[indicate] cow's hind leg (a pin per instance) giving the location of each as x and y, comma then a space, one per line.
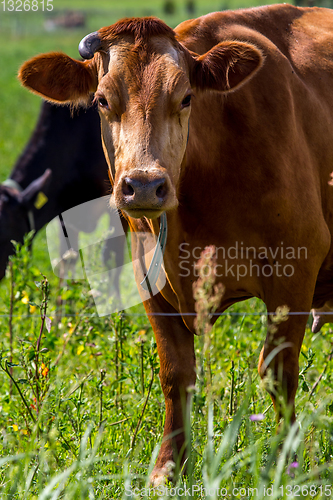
279, 358
175, 345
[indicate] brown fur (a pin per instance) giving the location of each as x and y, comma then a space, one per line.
218, 69
65, 79
141, 28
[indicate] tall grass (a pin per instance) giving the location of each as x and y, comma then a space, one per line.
82, 409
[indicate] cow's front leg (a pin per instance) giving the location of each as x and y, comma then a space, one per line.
175, 345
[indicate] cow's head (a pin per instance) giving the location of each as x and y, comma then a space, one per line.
143, 80
15, 221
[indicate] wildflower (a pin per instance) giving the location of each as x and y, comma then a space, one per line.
207, 295
281, 314
79, 350
15, 428
25, 298
32, 309
142, 337
43, 370
293, 465
24, 432
257, 417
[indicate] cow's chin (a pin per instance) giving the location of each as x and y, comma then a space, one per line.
137, 213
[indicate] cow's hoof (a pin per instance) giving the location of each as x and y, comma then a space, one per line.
161, 475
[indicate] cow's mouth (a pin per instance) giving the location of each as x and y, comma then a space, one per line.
138, 213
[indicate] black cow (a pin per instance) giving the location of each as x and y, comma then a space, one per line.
64, 163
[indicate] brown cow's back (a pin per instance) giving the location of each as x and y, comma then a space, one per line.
274, 135
295, 31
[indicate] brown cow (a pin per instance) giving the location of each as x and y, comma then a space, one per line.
225, 124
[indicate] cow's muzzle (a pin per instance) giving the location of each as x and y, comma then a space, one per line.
143, 195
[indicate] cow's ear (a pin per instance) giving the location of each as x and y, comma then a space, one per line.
59, 78
226, 66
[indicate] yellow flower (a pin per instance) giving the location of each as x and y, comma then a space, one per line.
79, 350
142, 336
15, 428
25, 298
24, 431
43, 370
32, 309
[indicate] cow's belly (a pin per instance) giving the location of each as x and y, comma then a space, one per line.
248, 262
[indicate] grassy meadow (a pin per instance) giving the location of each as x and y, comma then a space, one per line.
81, 408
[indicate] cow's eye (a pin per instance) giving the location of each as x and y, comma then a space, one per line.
102, 102
186, 101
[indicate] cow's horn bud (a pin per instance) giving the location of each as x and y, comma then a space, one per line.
89, 45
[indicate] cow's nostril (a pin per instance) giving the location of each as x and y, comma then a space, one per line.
127, 187
161, 191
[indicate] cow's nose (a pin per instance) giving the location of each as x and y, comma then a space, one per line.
145, 192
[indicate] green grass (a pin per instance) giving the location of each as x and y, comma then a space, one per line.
76, 439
